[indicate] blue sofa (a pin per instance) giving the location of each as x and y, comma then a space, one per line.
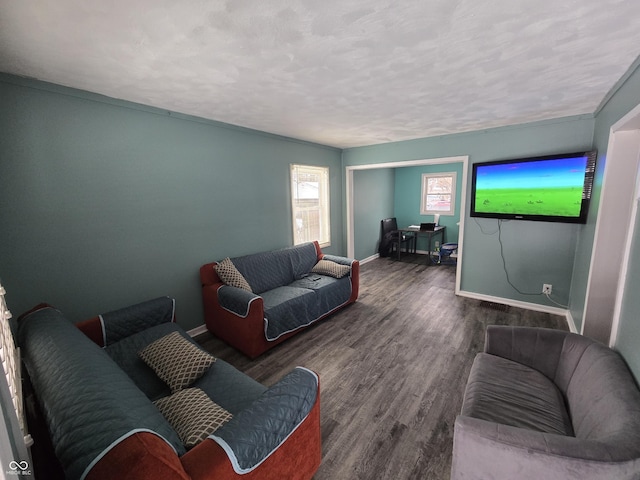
97, 401
285, 295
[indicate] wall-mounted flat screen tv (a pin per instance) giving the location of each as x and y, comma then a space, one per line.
553, 188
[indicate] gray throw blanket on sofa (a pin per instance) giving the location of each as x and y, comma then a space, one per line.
293, 296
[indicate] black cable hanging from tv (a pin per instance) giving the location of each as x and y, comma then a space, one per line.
504, 263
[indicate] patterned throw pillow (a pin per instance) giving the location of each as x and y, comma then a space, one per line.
333, 269
176, 360
230, 275
192, 414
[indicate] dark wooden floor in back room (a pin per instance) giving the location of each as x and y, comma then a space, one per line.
392, 368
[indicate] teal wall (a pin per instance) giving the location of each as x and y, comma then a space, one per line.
104, 203
623, 101
373, 192
408, 197
535, 252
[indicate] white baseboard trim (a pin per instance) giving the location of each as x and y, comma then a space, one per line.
536, 307
369, 259
194, 332
571, 323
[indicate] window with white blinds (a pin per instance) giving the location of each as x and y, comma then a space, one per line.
310, 204
438, 193
10, 357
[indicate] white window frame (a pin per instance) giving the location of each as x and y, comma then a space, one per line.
423, 197
302, 233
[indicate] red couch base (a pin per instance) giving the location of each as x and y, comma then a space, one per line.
297, 459
145, 456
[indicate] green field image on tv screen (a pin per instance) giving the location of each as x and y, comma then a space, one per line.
557, 201
542, 187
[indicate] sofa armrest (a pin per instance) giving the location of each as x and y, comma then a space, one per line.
208, 274
142, 456
538, 348
354, 274
339, 259
483, 449
113, 326
236, 300
251, 436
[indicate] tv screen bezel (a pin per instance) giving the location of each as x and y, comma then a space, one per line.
584, 207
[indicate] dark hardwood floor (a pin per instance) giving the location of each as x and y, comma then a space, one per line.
392, 368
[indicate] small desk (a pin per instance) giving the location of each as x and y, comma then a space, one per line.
439, 230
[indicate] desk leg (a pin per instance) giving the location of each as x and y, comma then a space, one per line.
399, 244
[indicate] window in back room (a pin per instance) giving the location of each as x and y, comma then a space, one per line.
438, 193
310, 204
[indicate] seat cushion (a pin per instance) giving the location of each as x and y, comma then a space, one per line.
330, 292
509, 393
288, 308
229, 387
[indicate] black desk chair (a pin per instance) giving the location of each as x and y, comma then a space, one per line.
391, 242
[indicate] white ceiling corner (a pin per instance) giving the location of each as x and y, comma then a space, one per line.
342, 73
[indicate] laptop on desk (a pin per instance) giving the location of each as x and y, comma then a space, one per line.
427, 227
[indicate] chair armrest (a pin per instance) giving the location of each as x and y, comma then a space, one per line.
538, 348
236, 300
483, 449
111, 327
251, 436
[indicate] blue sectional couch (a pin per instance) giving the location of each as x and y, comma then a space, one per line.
285, 294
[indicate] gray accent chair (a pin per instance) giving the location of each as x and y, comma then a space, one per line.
547, 404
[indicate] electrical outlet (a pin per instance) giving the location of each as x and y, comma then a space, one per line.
546, 288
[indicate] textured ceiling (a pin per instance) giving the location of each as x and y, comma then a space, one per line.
336, 72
